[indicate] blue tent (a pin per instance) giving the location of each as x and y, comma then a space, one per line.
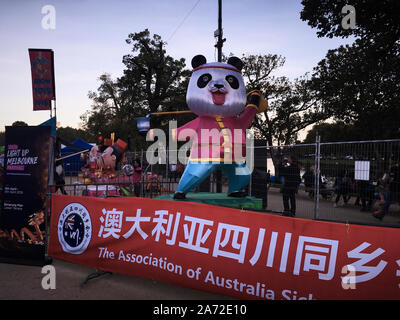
52, 124
74, 164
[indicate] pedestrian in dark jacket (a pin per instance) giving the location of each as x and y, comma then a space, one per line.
290, 172
367, 191
342, 187
393, 194
309, 180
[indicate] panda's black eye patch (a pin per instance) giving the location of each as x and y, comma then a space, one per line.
233, 81
203, 80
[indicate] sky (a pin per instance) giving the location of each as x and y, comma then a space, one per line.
89, 40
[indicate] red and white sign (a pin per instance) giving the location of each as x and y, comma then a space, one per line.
237, 253
43, 85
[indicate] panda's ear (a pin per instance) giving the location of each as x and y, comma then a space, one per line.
236, 62
198, 60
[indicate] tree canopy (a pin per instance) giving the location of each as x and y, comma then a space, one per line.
357, 85
70, 134
360, 83
292, 105
375, 19
151, 81
333, 132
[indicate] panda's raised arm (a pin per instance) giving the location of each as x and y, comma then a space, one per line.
256, 104
247, 116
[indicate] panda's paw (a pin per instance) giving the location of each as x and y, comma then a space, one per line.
257, 100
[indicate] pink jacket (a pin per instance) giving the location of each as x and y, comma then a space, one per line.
137, 174
218, 139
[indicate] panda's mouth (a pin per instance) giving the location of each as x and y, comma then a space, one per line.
218, 97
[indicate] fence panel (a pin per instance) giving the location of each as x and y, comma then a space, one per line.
353, 172
341, 181
298, 189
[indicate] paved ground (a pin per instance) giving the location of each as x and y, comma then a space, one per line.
24, 282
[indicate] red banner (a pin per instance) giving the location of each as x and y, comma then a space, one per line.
247, 255
43, 85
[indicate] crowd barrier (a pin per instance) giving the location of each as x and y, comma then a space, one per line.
364, 162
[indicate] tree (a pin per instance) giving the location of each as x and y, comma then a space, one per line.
70, 134
361, 91
19, 124
375, 19
292, 105
333, 132
152, 81
360, 83
106, 114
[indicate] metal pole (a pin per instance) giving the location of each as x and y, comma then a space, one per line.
142, 180
219, 34
220, 41
317, 175
251, 181
219, 30
49, 191
55, 110
166, 164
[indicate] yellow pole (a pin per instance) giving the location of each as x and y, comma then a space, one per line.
171, 112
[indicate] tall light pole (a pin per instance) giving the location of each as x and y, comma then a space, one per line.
220, 41
218, 33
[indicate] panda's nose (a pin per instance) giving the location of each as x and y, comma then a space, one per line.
219, 86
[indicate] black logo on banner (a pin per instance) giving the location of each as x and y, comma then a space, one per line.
74, 228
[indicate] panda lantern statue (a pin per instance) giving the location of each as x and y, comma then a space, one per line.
217, 94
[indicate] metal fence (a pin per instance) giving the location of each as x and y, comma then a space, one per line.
339, 181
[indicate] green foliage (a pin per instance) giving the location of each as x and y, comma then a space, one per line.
70, 134
375, 19
292, 104
152, 81
360, 83
333, 132
361, 87
19, 124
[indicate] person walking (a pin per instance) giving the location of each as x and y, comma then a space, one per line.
309, 180
342, 187
59, 177
268, 178
290, 172
367, 191
59, 173
393, 193
137, 177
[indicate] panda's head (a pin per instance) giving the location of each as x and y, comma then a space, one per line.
216, 89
